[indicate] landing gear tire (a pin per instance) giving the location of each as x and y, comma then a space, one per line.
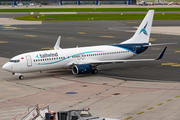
95, 71
21, 77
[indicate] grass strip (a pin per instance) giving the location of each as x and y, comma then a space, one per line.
90, 10
86, 17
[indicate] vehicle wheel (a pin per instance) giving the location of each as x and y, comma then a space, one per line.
21, 77
95, 71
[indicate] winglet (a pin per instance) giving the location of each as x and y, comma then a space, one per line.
56, 47
162, 54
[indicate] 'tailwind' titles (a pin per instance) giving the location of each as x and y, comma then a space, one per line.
48, 55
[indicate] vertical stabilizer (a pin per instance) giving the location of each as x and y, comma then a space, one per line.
142, 34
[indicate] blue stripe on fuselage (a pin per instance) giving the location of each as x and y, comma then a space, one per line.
68, 57
134, 48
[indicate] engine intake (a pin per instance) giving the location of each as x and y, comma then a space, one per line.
82, 69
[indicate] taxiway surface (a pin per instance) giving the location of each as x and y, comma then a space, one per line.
145, 90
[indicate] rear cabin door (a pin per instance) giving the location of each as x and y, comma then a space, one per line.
29, 61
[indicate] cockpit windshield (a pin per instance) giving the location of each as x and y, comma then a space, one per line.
15, 61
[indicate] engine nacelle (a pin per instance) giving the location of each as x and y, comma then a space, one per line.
82, 69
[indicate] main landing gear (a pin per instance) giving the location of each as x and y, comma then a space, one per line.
95, 71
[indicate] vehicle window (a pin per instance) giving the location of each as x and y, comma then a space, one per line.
84, 114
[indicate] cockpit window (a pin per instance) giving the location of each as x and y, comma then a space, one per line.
15, 61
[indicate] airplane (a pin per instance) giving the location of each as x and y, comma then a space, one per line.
85, 60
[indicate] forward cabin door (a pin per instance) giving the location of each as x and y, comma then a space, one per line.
29, 61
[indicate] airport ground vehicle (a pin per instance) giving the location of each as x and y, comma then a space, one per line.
43, 113
75, 114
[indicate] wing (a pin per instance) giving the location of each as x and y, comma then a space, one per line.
97, 62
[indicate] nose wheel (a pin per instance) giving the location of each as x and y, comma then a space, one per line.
21, 77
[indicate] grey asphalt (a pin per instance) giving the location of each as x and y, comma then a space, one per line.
26, 38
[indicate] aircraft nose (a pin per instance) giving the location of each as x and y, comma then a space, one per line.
6, 67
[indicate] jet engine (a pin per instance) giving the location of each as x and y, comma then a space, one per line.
82, 69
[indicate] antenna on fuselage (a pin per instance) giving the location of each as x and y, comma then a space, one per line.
56, 47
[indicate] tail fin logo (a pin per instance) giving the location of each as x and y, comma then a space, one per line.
144, 30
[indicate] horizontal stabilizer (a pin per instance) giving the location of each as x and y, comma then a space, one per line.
152, 45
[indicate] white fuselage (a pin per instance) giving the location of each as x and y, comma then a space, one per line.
63, 58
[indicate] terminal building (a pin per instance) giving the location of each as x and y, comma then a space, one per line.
65, 2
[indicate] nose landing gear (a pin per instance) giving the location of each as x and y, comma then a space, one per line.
21, 77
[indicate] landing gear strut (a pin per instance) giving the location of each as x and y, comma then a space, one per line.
95, 71
21, 77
